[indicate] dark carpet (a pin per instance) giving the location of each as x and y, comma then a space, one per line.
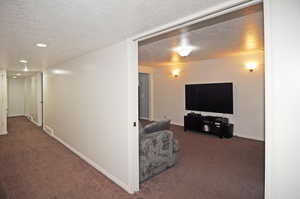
2, 192
35, 166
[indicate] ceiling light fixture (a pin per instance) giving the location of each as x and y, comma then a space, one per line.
14, 77
184, 51
41, 45
23, 61
60, 72
18, 74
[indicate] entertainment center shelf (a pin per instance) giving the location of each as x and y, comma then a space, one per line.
218, 126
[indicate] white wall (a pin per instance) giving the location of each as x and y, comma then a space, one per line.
86, 104
15, 95
248, 117
282, 30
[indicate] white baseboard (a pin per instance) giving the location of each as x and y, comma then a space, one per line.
4, 133
172, 122
177, 124
29, 117
48, 130
35, 122
249, 137
116, 180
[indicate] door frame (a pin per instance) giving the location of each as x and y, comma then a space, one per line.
221, 9
3, 102
39, 98
42, 99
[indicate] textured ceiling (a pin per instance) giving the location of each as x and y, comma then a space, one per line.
237, 33
74, 27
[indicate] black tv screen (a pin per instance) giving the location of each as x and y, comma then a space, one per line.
217, 97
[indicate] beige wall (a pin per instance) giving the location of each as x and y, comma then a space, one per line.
248, 117
86, 104
15, 97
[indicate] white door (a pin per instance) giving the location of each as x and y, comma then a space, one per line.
3, 103
39, 95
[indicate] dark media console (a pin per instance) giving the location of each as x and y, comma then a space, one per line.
218, 126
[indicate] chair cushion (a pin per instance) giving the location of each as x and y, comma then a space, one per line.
157, 126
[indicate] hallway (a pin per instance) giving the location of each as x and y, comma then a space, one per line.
35, 166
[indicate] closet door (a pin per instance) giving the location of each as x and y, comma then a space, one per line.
3, 103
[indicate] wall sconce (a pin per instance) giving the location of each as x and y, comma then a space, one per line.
251, 66
175, 73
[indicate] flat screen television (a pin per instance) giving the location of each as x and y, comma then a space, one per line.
216, 97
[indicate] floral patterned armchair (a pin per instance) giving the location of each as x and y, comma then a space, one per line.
158, 149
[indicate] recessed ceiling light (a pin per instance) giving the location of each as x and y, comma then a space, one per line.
23, 61
41, 45
60, 72
25, 68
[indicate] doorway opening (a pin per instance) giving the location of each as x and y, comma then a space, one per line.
228, 48
25, 95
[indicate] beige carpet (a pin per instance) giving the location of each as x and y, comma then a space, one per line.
35, 166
